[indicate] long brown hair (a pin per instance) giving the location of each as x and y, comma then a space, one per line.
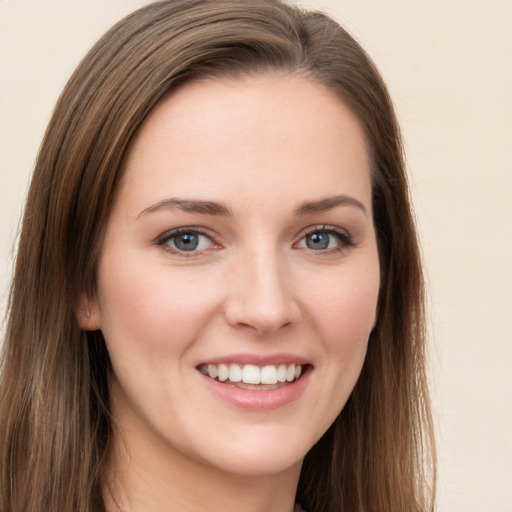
54, 398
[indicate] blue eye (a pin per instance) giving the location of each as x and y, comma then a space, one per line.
318, 241
325, 239
186, 241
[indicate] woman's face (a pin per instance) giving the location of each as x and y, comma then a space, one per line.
240, 246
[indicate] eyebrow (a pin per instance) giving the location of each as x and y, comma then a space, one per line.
190, 206
328, 203
220, 209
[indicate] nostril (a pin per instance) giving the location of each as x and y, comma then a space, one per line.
263, 328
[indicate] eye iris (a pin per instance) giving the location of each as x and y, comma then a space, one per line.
317, 241
187, 242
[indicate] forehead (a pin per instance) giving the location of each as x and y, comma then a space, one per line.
268, 133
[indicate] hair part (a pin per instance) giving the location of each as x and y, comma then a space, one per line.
54, 401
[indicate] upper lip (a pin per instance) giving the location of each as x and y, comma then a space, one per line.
257, 359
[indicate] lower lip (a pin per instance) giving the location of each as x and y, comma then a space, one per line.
256, 400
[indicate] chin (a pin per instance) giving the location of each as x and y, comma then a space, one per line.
261, 462
262, 451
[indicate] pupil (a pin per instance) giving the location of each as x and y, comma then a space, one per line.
188, 242
318, 241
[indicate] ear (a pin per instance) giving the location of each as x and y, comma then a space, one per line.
88, 313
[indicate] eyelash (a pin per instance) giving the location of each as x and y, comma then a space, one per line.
345, 240
164, 240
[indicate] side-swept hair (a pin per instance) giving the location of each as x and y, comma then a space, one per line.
378, 455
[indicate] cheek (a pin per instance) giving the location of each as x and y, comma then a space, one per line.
149, 309
341, 309
344, 307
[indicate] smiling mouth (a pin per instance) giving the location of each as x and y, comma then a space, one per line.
253, 377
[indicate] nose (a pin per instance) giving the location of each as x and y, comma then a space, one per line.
260, 294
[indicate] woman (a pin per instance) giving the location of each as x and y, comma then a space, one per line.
217, 301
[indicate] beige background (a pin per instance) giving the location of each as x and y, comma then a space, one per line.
448, 66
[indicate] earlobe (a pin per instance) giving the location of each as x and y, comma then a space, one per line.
87, 313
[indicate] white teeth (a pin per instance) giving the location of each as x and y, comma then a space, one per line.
223, 372
212, 371
269, 375
281, 373
252, 374
235, 373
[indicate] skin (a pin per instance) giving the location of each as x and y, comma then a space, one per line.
261, 147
